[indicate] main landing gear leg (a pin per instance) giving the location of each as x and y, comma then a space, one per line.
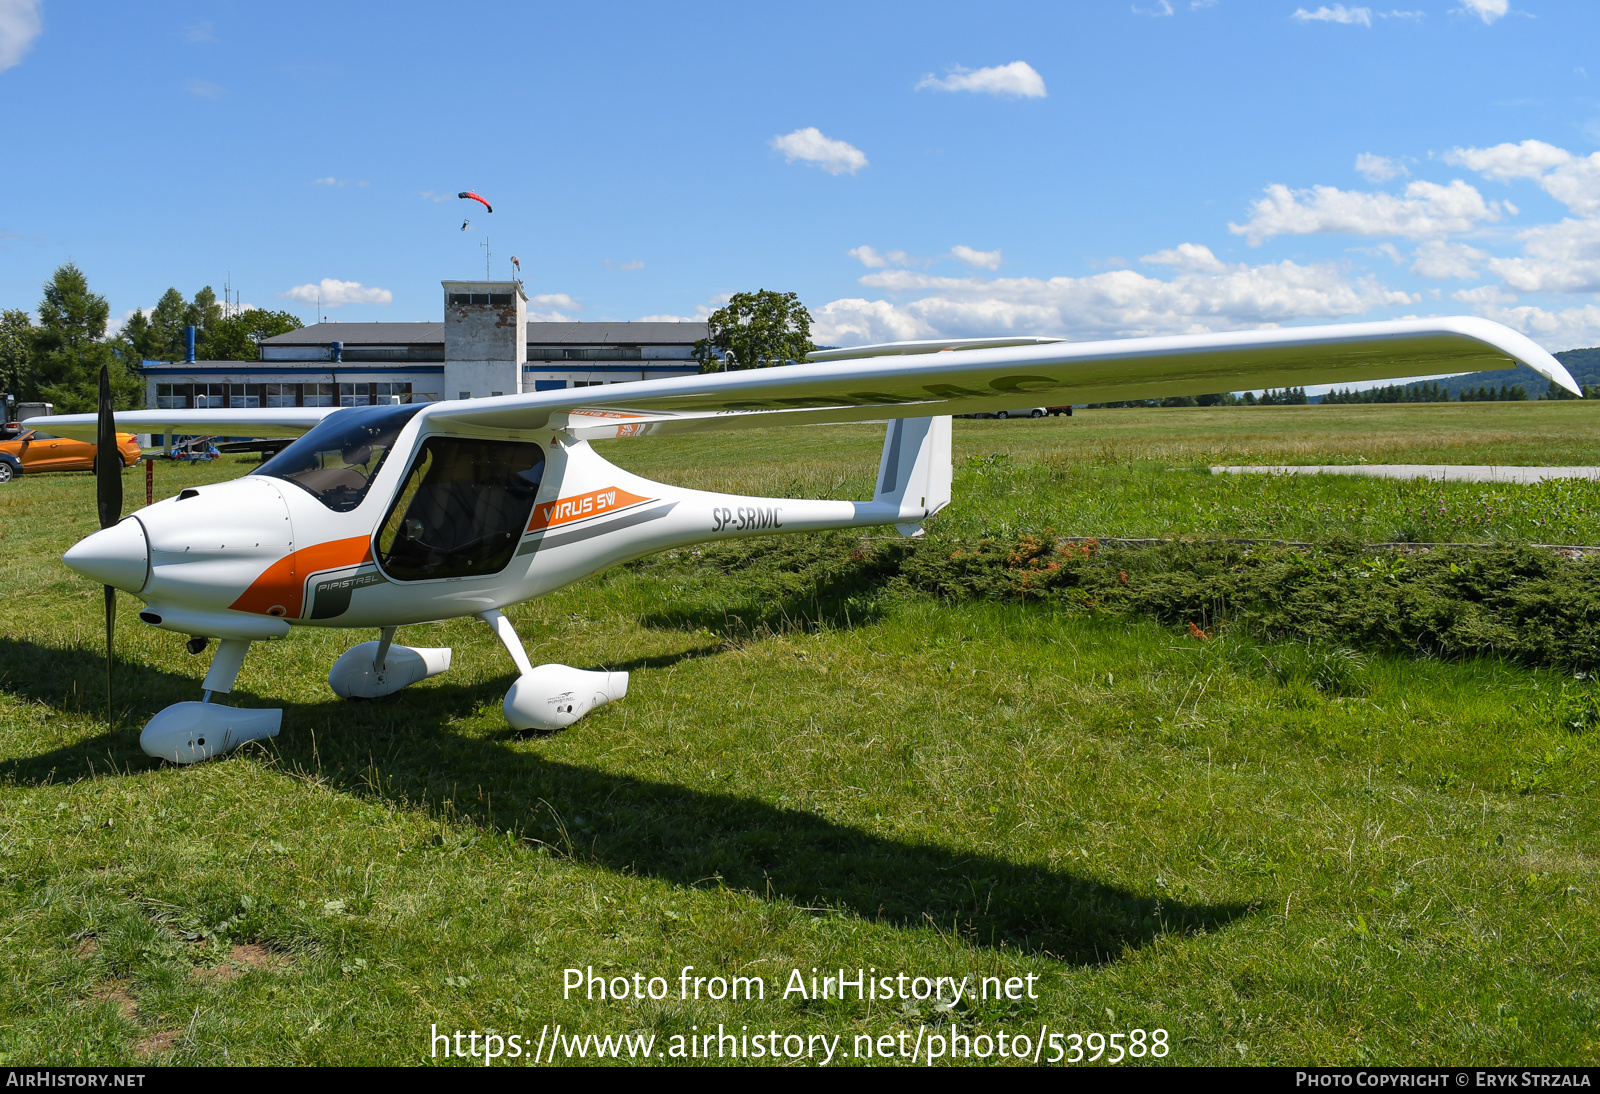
188, 732
550, 696
374, 669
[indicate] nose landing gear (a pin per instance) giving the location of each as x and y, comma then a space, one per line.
187, 733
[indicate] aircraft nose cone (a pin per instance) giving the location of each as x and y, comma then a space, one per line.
117, 556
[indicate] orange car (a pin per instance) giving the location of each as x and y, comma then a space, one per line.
29, 451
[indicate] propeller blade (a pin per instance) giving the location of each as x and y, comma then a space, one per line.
108, 498
107, 458
111, 624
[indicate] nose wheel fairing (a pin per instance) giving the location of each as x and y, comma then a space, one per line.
186, 733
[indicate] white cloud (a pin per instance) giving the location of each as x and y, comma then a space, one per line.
1338, 13
1414, 16
702, 312
1427, 210
631, 264
1440, 260
1112, 304
334, 293
200, 32
555, 300
1572, 180
19, 26
1484, 296
1018, 80
982, 260
1187, 256
1379, 168
877, 260
204, 89
1528, 160
1561, 257
435, 196
328, 181
1163, 8
1487, 10
808, 145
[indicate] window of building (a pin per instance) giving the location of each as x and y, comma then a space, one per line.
338, 459
320, 394
210, 396
355, 394
385, 393
464, 395
462, 509
280, 394
246, 396
587, 383
172, 397
585, 353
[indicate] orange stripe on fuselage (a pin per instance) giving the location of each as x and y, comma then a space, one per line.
580, 506
283, 584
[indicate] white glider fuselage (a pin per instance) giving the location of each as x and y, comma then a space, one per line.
437, 533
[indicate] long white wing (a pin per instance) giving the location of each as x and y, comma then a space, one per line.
923, 384
289, 421
913, 382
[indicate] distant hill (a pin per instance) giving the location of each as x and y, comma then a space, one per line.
1584, 364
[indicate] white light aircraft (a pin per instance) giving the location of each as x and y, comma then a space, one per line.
384, 516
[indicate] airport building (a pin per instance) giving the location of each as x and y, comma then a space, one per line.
485, 346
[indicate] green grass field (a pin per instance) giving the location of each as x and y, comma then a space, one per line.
1272, 856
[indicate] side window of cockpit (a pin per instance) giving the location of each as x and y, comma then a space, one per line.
462, 509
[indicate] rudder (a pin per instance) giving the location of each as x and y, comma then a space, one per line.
914, 472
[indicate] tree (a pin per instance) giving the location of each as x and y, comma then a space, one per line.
16, 352
204, 311
238, 337
756, 330
70, 346
165, 339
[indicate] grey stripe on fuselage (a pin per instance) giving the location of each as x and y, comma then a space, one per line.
577, 535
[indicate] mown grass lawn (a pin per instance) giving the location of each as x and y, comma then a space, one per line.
1394, 864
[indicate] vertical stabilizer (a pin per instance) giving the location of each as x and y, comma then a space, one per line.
914, 473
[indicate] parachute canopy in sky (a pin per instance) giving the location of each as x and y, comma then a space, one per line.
476, 197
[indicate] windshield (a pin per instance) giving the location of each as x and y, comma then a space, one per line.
337, 461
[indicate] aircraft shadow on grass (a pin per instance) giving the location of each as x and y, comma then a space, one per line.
404, 748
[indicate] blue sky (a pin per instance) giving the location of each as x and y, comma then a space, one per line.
917, 170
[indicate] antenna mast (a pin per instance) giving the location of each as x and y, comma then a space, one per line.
485, 246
